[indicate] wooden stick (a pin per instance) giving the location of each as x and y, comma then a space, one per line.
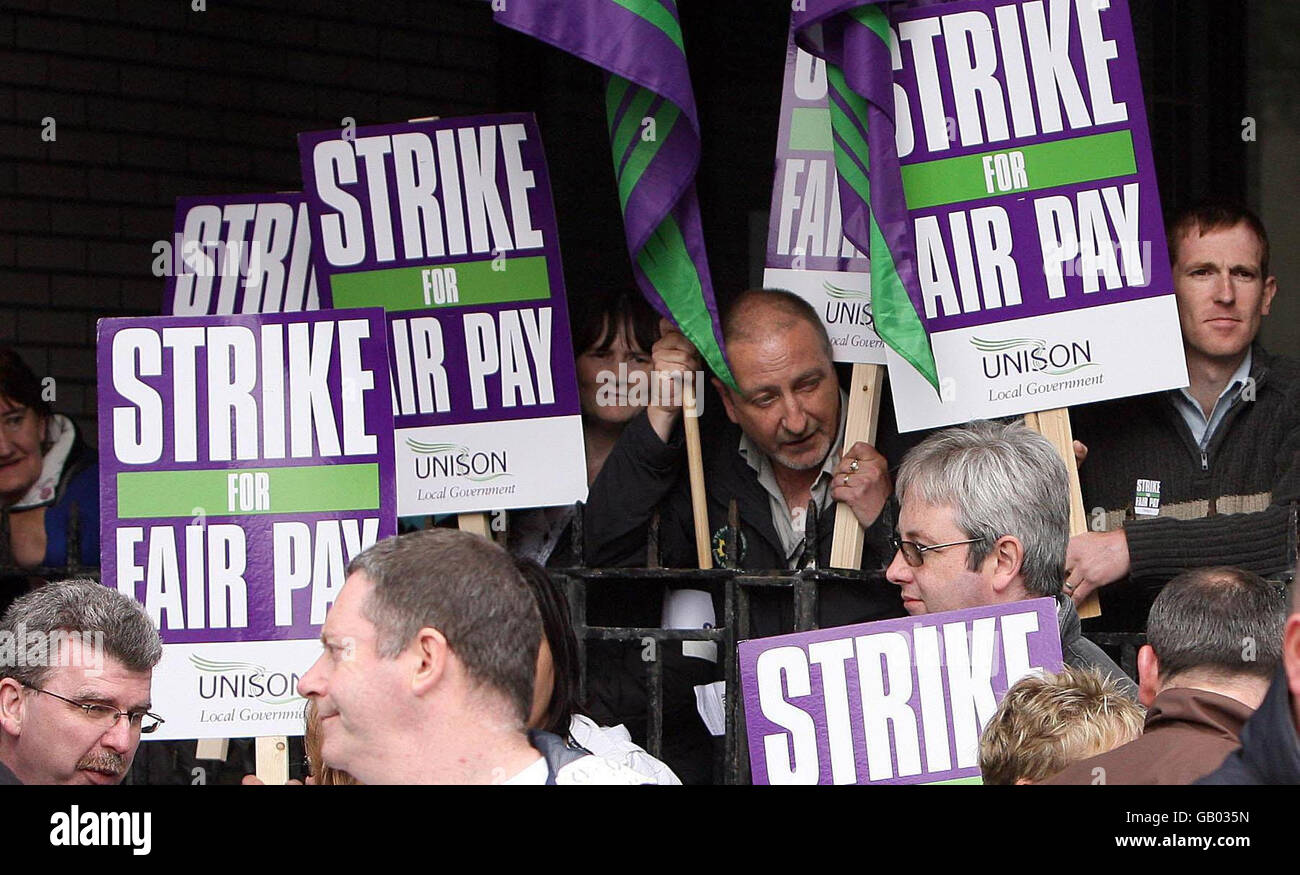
695, 465
863, 417
272, 753
1055, 426
212, 749
476, 523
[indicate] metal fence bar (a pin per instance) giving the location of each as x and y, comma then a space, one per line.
655, 704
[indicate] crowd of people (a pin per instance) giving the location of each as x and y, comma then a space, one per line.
448, 658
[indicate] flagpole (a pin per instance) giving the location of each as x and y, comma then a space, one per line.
695, 466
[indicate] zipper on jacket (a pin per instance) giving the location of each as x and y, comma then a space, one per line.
1205, 461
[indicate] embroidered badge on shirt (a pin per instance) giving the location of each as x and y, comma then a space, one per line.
720, 548
1146, 498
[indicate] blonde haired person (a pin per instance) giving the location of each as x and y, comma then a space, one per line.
1047, 722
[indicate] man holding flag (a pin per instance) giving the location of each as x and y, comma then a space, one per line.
788, 417
781, 453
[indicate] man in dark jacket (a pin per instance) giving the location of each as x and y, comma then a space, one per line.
984, 520
1215, 641
1206, 475
781, 449
1270, 742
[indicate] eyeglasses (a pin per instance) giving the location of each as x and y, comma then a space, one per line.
106, 716
914, 553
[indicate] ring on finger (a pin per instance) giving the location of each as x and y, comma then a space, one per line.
846, 480
853, 465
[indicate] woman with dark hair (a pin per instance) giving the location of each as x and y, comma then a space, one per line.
613, 340
49, 483
556, 706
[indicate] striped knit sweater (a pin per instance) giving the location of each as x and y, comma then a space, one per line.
1232, 505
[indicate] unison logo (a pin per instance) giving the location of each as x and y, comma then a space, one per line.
244, 680
848, 306
1029, 355
455, 460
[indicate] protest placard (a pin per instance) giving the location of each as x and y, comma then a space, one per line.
449, 226
893, 702
807, 252
244, 460
1027, 168
248, 253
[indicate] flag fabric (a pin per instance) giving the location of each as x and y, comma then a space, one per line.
654, 135
852, 37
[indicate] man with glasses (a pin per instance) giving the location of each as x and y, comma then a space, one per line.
985, 520
76, 665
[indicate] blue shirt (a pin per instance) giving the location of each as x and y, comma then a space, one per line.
1203, 429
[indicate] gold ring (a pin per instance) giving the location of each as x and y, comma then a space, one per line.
846, 479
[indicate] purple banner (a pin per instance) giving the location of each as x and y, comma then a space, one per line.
894, 702
244, 460
246, 253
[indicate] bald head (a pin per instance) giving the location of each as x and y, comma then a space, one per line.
758, 314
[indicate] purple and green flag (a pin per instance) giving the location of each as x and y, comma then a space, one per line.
852, 37
654, 135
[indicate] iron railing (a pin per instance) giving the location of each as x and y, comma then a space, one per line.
736, 587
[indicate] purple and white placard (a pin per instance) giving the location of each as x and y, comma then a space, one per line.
807, 252
244, 460
893, 702
448, 225
1026, 161
248, 253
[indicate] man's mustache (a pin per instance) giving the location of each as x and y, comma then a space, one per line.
107, 761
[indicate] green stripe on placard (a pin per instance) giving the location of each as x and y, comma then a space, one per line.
1046, 165
973, 779
308, 488
403, 288
810, 129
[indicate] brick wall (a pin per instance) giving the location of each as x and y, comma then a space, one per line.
153, 100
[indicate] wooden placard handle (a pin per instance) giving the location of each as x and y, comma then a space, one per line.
272, 753
1055, 426
477, 523
865, 386
212, 749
